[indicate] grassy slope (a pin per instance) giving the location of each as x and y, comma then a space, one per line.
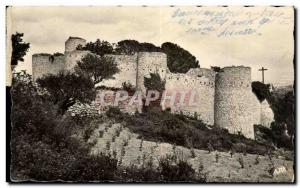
162, 126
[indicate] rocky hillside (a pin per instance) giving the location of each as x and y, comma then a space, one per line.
130, 149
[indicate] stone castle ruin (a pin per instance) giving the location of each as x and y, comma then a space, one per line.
225, 97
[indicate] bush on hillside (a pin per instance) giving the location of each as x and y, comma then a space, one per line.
163, 126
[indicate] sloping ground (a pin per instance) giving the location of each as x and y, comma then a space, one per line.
115, 140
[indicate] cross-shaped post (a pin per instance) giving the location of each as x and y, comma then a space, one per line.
263, 75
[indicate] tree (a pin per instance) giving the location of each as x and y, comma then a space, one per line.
99, 47
261, 90
19, 48
179, 60
154, 82
129, 47
29, 108
66, 88
284, 110
216, 68
96, 67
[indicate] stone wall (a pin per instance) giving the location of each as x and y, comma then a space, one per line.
200, 81
236, 107
127, 65
109, 99
71, 58
43, 64
224, 99
150, 62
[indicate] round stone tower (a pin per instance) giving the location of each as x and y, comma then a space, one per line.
236, 107
72, 43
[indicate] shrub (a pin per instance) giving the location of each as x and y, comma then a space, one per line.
181, 171
163, 126
256, 160
217, 157
114, 112
193, 155
241, 161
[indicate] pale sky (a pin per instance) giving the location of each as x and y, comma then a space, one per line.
260, 36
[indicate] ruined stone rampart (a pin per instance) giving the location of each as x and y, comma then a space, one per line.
127, 65
203, 85
223, 98
72, 57
43, 64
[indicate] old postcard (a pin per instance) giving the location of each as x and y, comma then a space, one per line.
197, 94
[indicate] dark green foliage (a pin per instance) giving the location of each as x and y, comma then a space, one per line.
241, 161
261, 90
43, 147
193, 155
129, 47
154, 82
215, 68
163, 126
275, 135
114, 112
30, 111
99, 47
209, 147
167, 171
179, 59
128, 87
97, 68
256, 160
284, 109
279, 136
19, 48
44, 160
135, 174
217, 157
282, 102
58, 54
181, 171
66, 88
